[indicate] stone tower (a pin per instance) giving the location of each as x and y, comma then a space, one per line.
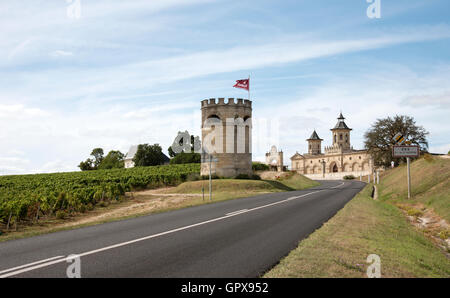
227, 136
341, 134
314, 144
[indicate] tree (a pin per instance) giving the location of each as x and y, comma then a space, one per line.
379, 138
92, 164
171, 152
87, 165
113, 160
148, 155
97, 153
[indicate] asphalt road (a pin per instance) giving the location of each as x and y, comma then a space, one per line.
236, 238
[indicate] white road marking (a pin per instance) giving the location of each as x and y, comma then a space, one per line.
236, 212
30, 264
148, 237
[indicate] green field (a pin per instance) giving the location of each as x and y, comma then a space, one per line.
23, 197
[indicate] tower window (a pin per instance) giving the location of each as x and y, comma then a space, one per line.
340, 136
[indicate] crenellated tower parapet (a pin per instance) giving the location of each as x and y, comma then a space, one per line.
230, 101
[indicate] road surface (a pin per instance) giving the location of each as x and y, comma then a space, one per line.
235, 238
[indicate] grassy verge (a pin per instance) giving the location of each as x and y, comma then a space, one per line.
361, 228
185, 195
430, 181
236, 188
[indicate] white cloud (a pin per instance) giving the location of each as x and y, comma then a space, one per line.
438, 100
61, 53
20, 111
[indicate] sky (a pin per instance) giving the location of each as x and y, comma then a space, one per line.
78, 74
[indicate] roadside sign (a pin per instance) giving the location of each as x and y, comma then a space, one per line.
399, 139
405, 151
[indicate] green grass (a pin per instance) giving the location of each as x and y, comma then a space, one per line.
244, 187
430, 181
363, 227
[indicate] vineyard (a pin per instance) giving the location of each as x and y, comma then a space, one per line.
26, 198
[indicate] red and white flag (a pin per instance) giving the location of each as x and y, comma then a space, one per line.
243, 84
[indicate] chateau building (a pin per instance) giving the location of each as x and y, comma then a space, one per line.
274, 159
338, 160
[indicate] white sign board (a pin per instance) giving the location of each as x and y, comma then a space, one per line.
405, 151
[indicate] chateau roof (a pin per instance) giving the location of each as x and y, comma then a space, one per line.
341, 124
297, 155
314, 136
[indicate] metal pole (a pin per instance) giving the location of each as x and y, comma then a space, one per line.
378, 177
210, 188
409, 176
248, 87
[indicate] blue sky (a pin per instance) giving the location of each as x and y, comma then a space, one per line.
129, 72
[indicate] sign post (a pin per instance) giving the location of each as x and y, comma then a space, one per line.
209, 158
408, 170
408, 152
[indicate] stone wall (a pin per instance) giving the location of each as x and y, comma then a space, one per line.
232, 136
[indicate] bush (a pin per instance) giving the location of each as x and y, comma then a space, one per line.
206, 177
414, 212
258, 166
256, 177
444, 235
245, 176
61, 214
103, 204
349, 177
193, 177
184, 158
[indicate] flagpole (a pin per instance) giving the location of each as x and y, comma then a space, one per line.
248, 87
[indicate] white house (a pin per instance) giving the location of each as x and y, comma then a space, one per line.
129, 163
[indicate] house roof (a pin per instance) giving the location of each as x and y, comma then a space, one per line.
341, 124
131, 152
314, 136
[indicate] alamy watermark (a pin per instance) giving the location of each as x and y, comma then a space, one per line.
374, 269
73, 10
234, 135
374, 9
74, 269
